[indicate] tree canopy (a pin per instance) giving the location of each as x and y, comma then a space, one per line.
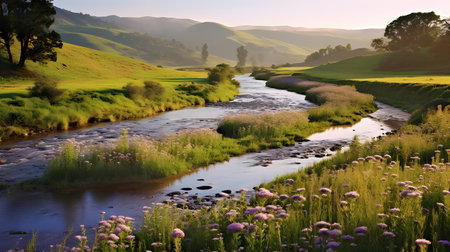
242, 56
205, 53
29, 21
418, 29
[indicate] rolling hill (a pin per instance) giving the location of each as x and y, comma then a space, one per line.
312, 40
177, 42
94, 33
223, 41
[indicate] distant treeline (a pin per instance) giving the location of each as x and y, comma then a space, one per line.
417, 41
328, 51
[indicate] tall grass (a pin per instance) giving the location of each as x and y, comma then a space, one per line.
373, 203
339, 104
269, 129
139, 159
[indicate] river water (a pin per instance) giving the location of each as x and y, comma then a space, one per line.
52, 214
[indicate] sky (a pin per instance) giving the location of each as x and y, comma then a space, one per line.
350, 14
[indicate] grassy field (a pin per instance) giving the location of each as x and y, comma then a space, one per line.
93, 82
364, 68
413, 91
391, 194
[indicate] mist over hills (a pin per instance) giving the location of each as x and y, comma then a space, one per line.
177, 42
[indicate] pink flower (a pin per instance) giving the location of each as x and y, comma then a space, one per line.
423, 242
177, 233
351, 194
264, 193
113, 237
129, 237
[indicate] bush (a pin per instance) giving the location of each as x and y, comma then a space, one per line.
220, 73
46, 88
150, 90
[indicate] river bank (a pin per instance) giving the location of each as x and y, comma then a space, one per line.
245, 171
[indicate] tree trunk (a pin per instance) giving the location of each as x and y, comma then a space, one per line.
23, 52
8, 48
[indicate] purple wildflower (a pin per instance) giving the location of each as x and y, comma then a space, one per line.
351, 194
444, 242
382, 225
283, 197
321, 224
298, 198
235, 227
177, 233
347, 237
324, 190
389, 234
362, 229
333, 244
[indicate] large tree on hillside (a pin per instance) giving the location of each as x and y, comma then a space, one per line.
6, 27
205, 53
32, 21
415, 30
242, 56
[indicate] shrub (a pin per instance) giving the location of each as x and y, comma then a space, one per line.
150, 90
220, 73
46, 88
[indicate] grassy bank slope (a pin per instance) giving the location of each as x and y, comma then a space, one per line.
411, 91
94, 83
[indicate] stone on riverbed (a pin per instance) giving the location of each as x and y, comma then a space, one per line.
205, 187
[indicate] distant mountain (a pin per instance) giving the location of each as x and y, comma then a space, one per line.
95, 33
65, 17
172, 41
156, 26
223, 41
314, 39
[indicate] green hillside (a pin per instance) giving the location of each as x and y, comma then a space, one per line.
94, 33
93, 83
223, 41
161, 27
83, 68
364, 68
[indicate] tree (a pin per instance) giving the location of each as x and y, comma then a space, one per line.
205, 53
379, 44
349, 47
242, 56
32, 21
6, 27
415, 30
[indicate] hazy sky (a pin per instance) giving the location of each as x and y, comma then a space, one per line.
351, 14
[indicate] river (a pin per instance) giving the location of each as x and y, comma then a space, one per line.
52, 214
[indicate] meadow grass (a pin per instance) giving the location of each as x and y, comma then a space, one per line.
339, 105
414, 91
350, 202
93, 82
